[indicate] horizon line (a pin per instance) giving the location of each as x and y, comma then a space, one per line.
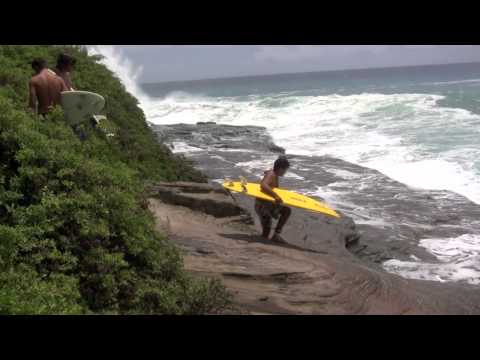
308, 72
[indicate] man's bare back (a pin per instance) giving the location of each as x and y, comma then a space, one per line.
46, 88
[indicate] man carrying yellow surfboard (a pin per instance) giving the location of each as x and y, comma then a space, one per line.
267, 210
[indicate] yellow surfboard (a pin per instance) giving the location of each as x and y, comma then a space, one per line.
289, 197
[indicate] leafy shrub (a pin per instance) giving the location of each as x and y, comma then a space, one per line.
75, 233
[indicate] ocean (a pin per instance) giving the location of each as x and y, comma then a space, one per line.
418, 126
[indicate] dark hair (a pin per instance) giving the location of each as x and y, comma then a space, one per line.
281, 163
39, 63
64, 60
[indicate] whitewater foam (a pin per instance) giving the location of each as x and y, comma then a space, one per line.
183, 148
257, 167
458, 260
291, 175
454, 82
344, 174
401, 135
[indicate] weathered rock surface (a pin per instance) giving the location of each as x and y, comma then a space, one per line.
200, 197
313, 274
391, 217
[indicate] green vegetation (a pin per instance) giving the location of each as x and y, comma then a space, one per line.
75, 233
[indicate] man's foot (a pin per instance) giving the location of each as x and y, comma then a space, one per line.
264, 238
266, 234
278, 239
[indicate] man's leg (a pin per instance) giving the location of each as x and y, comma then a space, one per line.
265, 220
284, 216
266, 226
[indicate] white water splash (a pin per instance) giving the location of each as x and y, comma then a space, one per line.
125, 70
458, 261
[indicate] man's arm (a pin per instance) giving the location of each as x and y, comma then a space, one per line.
32, 103
69, 83
64, 86
267, 189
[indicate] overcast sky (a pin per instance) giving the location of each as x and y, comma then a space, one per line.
187, 62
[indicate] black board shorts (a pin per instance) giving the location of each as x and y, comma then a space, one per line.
267, 210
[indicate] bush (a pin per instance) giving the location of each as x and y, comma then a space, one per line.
75, 232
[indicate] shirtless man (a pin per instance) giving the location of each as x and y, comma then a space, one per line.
65, 65
45, 88
267, 210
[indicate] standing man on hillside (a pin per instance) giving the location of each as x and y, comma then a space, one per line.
45, 88
65, 65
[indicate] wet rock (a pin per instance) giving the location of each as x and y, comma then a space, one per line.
200, 197
312, 231
207, 135
276, 149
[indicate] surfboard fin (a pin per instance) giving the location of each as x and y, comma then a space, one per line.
244, 183
98, 118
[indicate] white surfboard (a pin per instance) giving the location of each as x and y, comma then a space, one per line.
81, 106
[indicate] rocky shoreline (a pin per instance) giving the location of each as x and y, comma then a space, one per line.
377, 225
313, 274
391, 217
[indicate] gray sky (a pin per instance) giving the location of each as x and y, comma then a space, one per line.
187, 62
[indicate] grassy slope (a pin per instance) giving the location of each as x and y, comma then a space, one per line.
75, 234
